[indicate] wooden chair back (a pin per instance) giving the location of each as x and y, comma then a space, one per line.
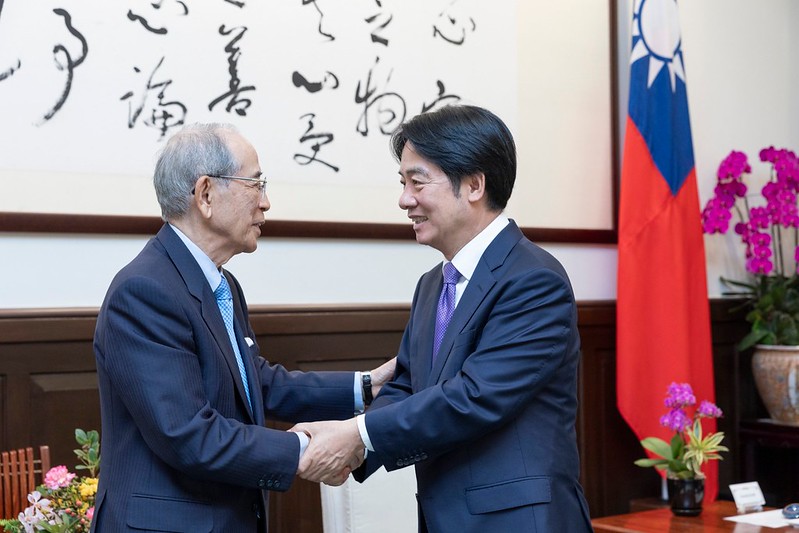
20, 474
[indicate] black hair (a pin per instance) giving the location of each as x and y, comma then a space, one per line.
463, 140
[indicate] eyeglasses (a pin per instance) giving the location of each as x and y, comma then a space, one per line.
260, 182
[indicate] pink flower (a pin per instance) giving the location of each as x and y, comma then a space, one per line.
709, 410
679, 395
58, 477
779, 213
90, 513
676, 420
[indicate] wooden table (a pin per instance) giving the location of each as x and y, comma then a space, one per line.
662, 520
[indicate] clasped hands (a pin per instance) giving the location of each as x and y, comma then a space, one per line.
335, 450
336, 447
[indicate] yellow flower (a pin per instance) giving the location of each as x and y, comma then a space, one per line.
88, 487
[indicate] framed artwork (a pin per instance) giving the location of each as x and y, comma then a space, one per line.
90, 91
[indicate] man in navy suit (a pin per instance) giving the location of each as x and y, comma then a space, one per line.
184, 396
486, 412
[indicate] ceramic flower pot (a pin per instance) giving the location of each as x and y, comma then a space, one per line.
686, 495
776, 373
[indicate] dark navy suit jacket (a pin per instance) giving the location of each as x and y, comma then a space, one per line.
490, 426
181, 449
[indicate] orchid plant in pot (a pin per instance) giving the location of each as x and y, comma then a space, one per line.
682, 458
770, 235
769, 232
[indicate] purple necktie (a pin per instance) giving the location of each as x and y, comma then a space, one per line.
446, 305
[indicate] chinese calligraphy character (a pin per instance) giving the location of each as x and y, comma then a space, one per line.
314, 87
390, 107
163, 115
133, 17
317, 140
375, 37
452, 29
10, 70
329, 36
441, 99
234, 89
69, 64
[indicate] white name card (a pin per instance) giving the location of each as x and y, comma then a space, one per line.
748, 496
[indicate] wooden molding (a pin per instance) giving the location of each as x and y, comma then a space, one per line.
142, 225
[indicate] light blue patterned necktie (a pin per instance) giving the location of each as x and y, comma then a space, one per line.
224, 299
446, 305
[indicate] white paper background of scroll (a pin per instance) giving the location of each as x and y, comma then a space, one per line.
550, 83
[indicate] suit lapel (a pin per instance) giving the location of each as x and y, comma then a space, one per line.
254, 385
481, 283
198, 287
483, 280
428, 302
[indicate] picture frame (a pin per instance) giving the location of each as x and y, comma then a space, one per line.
563, 71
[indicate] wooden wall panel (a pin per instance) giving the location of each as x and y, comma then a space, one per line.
607, 445
71, 396
47, 375
3, 405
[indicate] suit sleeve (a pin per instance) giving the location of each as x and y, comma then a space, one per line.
392, 392
148, 348
504, 362
293, 396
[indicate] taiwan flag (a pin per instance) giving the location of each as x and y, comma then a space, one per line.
663, 319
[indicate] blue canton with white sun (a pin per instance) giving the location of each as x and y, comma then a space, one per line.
658, 100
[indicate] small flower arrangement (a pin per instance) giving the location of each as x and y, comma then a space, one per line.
689, 449
770, 234
64, 503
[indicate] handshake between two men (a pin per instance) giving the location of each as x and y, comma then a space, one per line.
336, 447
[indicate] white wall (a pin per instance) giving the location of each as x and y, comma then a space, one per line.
742, 70
742, 60
74, 271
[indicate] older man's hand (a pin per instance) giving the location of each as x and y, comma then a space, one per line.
335, 450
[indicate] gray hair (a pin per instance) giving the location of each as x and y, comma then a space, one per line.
196, 150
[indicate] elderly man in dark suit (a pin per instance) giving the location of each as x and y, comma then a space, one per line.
184, 392
484, 400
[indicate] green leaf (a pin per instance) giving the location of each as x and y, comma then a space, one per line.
658, 447
713, 440
677, 445
651, 462
754, 337
677, 465
734, 283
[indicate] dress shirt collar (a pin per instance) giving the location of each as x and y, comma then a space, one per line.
212, 274
467, 258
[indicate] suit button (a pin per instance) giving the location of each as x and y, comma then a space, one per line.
277, 484
400, 463
424, 457
261, 483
